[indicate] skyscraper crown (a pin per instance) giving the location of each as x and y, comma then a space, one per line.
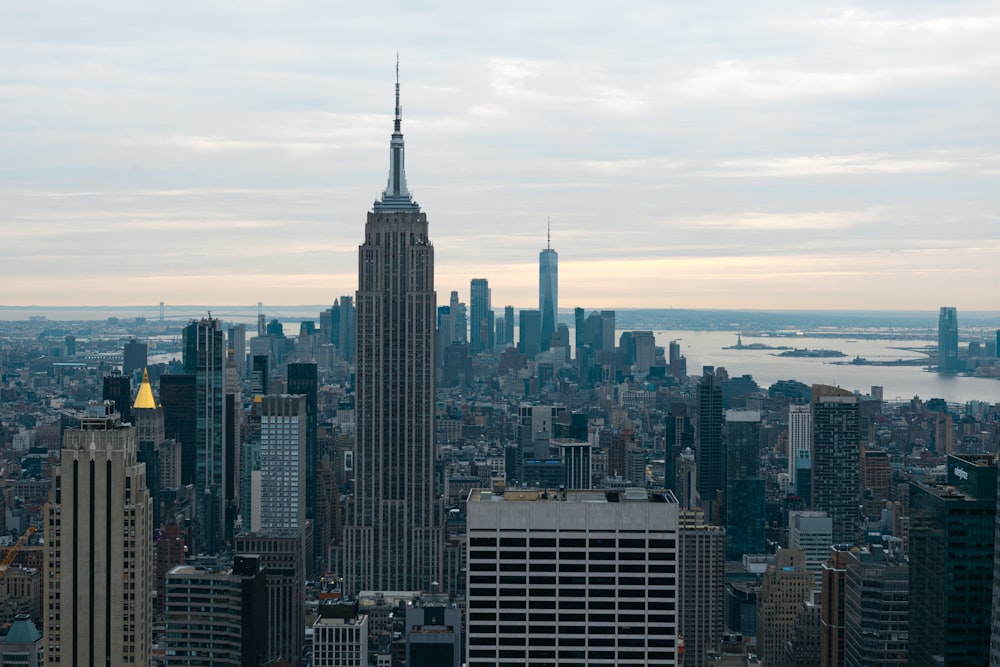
396, 196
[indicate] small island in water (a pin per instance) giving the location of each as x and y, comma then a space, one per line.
804, 352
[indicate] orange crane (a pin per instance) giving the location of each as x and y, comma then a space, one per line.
12, 552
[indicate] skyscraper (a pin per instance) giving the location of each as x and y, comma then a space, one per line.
951, 564
204, 357
948, 339
548, 291
711, 446
481, 315
746, 496
283, 463
799, 436
701, 585
99, 564
303, 379
836, 460
393, 539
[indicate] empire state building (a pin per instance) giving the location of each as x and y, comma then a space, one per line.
393, 538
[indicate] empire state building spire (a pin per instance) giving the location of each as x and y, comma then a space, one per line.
396, 195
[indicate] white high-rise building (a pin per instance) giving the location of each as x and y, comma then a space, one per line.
572, 578
99, 539
800, 433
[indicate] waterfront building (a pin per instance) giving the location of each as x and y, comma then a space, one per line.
947, 349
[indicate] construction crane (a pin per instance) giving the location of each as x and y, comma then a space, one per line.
8, 560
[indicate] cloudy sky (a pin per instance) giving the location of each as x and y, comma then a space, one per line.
764, 154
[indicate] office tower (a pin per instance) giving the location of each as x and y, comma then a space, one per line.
802, 480
340, 636
22, 646
168, 552
679, 434
687, 479
876, 608
803, 649
812, 532
303, 380
948, 340
99, 566
836, 460
577, 457
607, 318
746, 499
393, 539
259, 371
133, 357
800, 433
784, 587
229, 632
711, 447
149, 437
233, 442
833, 581
433, 636
237, 341
548, 292
481, 316
283, 423
579, 335
348, 327
529, 333
508, 322
951, 564
459, 319
205, 359
701, 585
574, 578
177, 395
118, 388
282, 557
329, 324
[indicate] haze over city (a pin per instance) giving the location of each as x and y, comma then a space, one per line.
773, 155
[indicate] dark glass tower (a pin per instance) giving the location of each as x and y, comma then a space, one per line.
548, 292
205, 358
303, 379
711, 447
951, 565
836, 460
746, 498
480, 316
948, 340
393, 539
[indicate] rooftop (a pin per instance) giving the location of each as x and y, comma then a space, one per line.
573, 496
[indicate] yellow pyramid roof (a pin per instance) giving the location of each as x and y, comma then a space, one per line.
144, 399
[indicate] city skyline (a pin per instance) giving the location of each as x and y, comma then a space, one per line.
836, 156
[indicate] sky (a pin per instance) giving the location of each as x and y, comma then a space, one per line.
755, 155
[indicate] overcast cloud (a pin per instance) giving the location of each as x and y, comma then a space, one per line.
731, 154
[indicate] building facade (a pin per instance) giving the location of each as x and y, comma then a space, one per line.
217, 617
572, 578
99, 566
836, 460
